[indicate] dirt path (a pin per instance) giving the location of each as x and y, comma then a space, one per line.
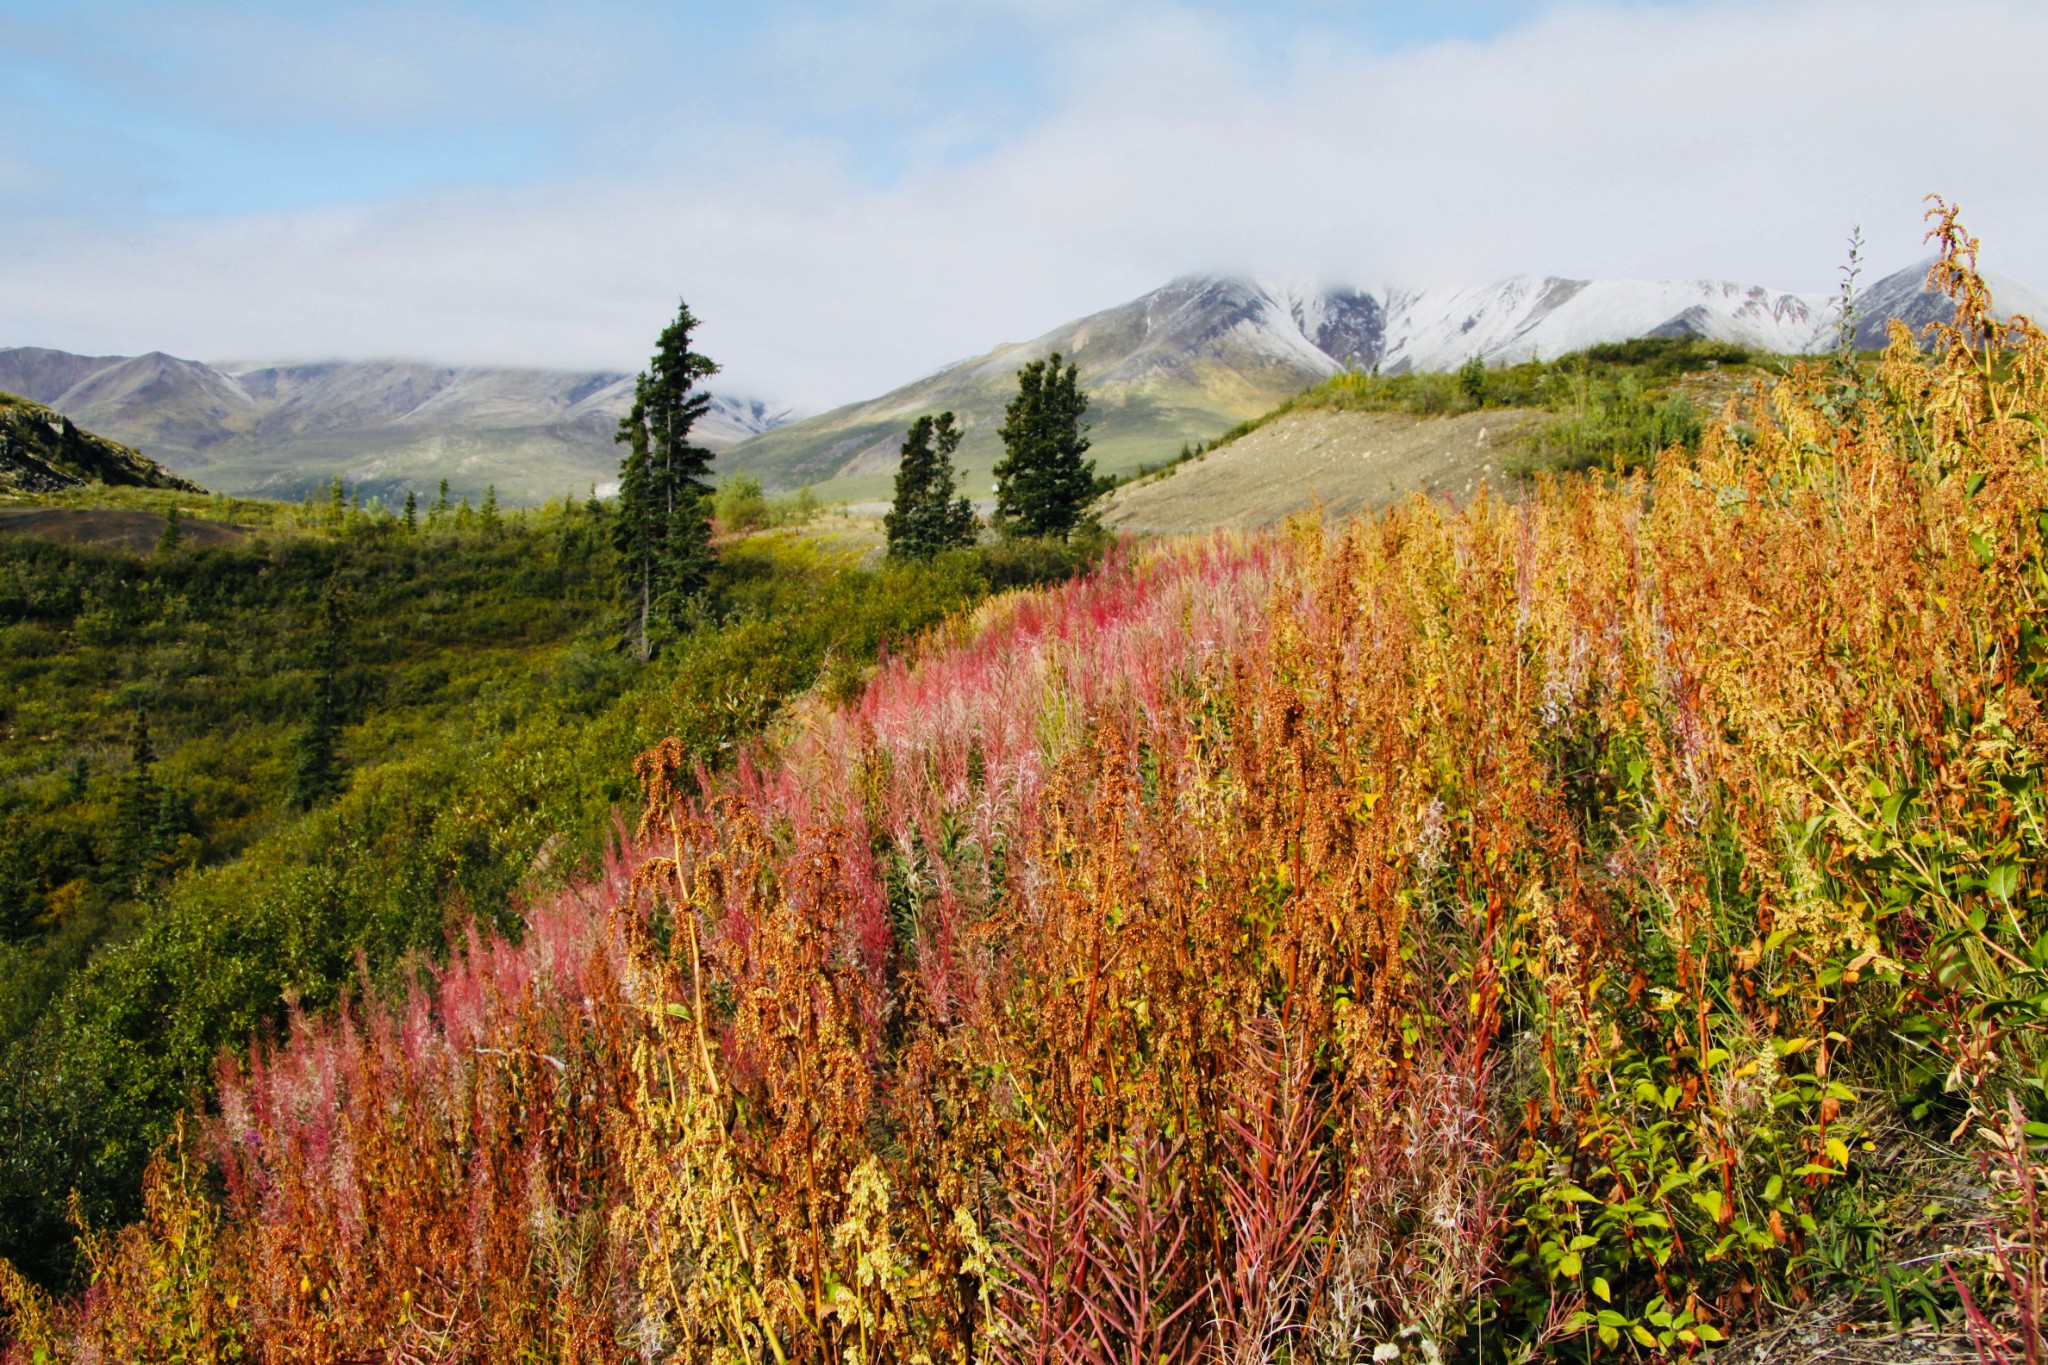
136, 531
1349, 460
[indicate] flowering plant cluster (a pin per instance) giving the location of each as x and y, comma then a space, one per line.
1454, 935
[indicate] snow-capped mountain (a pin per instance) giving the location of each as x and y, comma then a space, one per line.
1524, 317
1516, 319
1904, 295
731, 420
1181, 363
1204, 352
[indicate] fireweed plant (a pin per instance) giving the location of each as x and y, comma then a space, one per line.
1461, 935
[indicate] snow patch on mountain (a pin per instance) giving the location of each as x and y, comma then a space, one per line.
1526, 317
731, 419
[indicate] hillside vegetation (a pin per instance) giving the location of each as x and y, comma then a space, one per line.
42, 452
1614, 406
1594, 927
1341, 461
161, 897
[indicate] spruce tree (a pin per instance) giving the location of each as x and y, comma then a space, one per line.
663, 531
1043, 485
926, 517
412, 511
173, 534
21, 892
171, 836
135, 809
316, 771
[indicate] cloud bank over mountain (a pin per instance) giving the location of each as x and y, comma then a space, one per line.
848, 197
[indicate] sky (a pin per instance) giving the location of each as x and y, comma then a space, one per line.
852, 194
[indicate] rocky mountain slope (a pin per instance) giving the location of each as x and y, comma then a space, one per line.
43, 452
383, 425
1904, 295
1188, 361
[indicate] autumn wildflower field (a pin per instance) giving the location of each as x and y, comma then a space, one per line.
1602, 926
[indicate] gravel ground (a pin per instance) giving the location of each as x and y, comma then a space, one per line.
136, 531
1347, 461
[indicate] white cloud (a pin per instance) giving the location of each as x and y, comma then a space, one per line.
1730, 139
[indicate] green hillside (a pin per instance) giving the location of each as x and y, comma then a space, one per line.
849, 454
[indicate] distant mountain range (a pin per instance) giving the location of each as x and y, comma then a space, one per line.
385, 426
1185, 362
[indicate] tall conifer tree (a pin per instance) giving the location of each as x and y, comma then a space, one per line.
1043, 485
135, 809
664, 528
927, 517
316, 770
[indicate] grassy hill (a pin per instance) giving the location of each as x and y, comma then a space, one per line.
1358, 441
1596, 928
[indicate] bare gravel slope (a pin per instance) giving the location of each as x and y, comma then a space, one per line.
1349, 461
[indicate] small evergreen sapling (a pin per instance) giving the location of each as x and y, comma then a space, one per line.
927, 517
173, 534
1043, 485
1472, 380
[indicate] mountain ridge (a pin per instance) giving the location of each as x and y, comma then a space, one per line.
280, 429
1204, 352
1209, 350
1180, 364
